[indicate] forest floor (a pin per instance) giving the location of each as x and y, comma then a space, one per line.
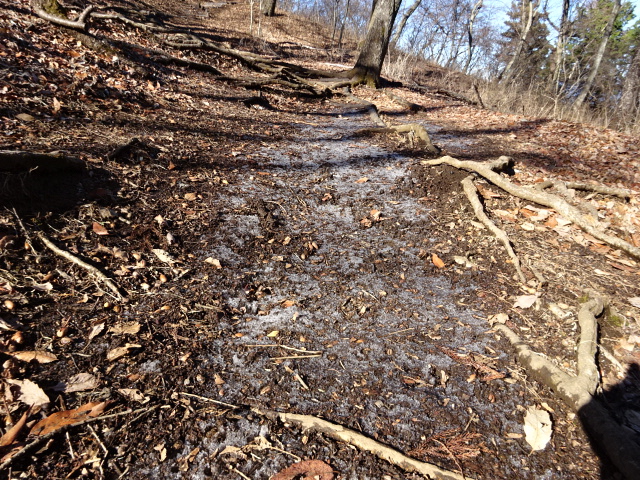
273, 257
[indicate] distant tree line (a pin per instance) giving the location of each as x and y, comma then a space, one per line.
583, 53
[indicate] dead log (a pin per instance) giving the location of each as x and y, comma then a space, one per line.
19, 161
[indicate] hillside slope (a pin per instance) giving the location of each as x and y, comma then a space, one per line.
271, 251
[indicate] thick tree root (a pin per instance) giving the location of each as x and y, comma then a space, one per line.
568, 211
618, 442
603, 189
19, 161
415, 130
472, 194
343, 434
89, 268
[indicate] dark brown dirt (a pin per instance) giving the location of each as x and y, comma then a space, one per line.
271, 259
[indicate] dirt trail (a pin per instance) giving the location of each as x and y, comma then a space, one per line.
279, 259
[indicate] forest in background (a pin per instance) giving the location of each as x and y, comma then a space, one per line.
577, 62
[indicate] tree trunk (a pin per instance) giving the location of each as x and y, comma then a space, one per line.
631, 87
268, 8
403, 21
528, 14
599, 54
472, 18
376, 42
559, 54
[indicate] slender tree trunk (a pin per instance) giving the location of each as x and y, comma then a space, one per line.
559, 54
268, 8
344, 22
529, 11
472, 18
631, 86
376, 42
403, 21
599, 54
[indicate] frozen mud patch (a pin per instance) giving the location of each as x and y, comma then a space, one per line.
341, 312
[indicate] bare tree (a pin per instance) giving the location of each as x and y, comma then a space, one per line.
528, 13
472, 18
558, 56
631, 86
403, 21
268, 8
606, 34
376, 42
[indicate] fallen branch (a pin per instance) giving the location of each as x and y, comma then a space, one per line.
343, 434
75, 260
568, 211
472, 194
412, 107
20, 161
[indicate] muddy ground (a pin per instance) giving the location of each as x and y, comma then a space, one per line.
273, 257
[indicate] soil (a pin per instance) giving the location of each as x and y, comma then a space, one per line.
275, 258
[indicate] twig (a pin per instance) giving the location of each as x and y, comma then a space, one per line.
472, 194
211, 400
343, 434
90, 268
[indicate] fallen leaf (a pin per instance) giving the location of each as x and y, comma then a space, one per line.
61, 419
190, 196
362, 180
163, 255
375, 215
119, 352
528, 226
96, 330
306, 470
635, 301
498, 318
525, 301
273, 334
122, 328
437, 261
537, 428
288, 303
133, 394
39, 356
25, 117
78, 383
213, 261
28, 392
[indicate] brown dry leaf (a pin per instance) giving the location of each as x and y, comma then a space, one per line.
288, 303
190, 196
437, 261
525, 301
362, 180
122, 328
30, 355
99, 229
28, 392
307, 470
215, 262
119, 352
375, 215
10, 436
96, 330
58, 420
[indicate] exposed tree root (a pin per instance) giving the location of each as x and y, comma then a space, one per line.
472, 194
568, 211
412, 107
617, 441
79, 24
19, 161
75, 260
415, 130
603, 189
343, 434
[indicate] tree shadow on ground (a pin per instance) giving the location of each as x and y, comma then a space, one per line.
33, 192
612, 423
